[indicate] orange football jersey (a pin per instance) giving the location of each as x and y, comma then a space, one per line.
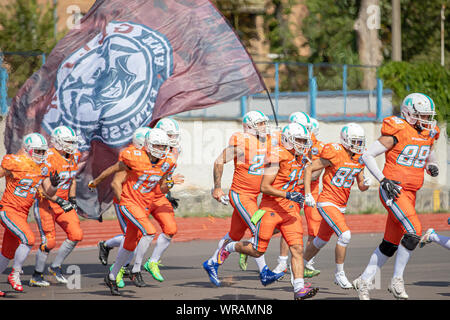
21, 186
406, 161
67, 170
249, 167
143, 175
339, 177
289, 172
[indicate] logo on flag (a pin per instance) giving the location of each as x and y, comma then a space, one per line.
107, 88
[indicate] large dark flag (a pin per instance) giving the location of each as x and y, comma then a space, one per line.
130, 63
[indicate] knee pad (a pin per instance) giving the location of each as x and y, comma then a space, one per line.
410, 241
344, 239
319, 243
387, 248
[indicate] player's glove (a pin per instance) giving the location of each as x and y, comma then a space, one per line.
391, 187
73, 201
54, 178
296, 197
64, 204
432, 170
91, 185
173, 201
309, 200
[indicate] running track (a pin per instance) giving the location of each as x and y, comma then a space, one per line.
212, 228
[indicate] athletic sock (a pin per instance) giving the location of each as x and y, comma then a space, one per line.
299, 284
19, 257
339, 267
261, 262
140, 251
213, 258
41, 259
122, 257
401, 260
162, 243
377, 260
114, 242
65, 249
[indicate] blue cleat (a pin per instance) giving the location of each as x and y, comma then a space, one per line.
267, 276
211, 270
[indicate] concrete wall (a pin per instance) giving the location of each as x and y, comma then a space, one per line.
204, 140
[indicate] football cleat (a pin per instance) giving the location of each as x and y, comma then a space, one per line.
119, 277
14, 280
426, 237
211, 270
153, 269
362, 287
37, 280
341, 280
267, 276
103, 252
243, 261
309, 273
223, 253
112, 285
136, 277
281, 267
305, 293
397, 288
58, 274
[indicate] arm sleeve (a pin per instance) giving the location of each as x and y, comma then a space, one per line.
432, 158
369, 156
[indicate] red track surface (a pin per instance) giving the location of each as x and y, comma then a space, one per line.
211, 228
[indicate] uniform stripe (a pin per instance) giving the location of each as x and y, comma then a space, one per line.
242, 212
37, 217
256, 235
398, 213
329, 221
133, 220
13, 228
122, 223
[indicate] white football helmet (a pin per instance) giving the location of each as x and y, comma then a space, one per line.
65, 139
314, 126
418, 109
139, 137
353, 138
250, 122
291, 135
172, 129
157, 137
302, 118
34, 142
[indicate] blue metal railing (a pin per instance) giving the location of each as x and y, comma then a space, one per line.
313, 92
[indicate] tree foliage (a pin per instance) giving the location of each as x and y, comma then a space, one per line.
26, 26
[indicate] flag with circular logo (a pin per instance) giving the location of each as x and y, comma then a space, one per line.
129, 64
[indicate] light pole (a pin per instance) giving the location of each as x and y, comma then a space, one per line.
396, 31
442, 35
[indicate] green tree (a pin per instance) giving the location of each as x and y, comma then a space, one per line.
26, 26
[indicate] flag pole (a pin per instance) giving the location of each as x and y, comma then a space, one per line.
271, 104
